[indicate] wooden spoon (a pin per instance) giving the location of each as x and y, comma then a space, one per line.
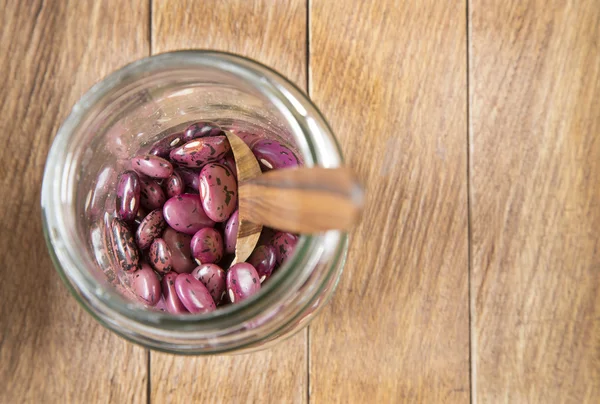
247, 168
297, 200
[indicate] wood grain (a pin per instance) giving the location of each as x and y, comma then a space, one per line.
391, 78
51, 350
273, 33
535, 114
307, 200
270, 31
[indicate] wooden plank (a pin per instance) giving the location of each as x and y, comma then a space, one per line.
535, 98
272, 32
276, 36
51, 350
391, 78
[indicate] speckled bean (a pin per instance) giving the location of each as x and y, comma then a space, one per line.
152, 166
172, 302
263, 259
207, 246
179, 245
150, 228
123, 245
184, 213
218, 191
229, 162
213, 277
145, 285
284, 244
242, 282
230, 232
273, 155
189, 177
174, 185
249, 138
163, 147
198, 152
139, 216
152, 196
159, 256
128, 195
187, 182
193, 294
201, 129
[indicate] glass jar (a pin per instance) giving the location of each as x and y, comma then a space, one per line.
128, 111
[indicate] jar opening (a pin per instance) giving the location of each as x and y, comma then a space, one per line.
101, 133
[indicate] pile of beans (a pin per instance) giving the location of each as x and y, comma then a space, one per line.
176, 222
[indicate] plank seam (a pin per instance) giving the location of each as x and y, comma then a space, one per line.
472, 392
150, 27
149, 378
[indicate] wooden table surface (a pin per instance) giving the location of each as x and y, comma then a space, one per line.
475, 127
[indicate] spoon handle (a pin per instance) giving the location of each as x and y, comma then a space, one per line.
303, 200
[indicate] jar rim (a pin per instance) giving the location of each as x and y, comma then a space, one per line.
61, 242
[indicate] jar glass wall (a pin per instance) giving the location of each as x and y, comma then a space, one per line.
122, 116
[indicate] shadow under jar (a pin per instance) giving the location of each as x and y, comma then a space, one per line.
123, 116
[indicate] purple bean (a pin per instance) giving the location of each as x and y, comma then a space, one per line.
172, 302
163, 147
193, 294
229, 162
174, 185
128, 195
201, 129
263, 259
139, 216
159, 256
197, 160
242, 282
218, 191
184, 213
207, 246
249, 138
273, 155
179, 245
123, 246
152, 166
189, 177
152, 195
150, 228
145, 285
198, 152
230, 232
213, 277
284, 244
